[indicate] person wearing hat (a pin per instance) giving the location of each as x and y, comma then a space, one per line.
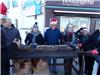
82, 36
52, 37
35, 36
2, 22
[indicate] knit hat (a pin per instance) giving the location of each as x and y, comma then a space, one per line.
35, 25
85, 29
53, 21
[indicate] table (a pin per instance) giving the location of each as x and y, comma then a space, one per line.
33, 54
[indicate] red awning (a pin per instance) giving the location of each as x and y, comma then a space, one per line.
3, 9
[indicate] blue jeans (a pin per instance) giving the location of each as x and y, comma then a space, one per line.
52, 68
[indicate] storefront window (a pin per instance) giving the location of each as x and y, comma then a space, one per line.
78, 22
97, 23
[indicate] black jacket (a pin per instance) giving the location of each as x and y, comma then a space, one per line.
3, 41
92, 42
38, 39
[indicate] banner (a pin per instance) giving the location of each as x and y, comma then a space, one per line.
32, 7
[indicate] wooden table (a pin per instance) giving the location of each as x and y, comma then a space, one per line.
33, 54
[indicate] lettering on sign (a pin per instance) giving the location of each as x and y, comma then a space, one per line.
79, 2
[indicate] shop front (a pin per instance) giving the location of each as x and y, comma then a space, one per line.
80, 13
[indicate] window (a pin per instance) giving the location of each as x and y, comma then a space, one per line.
78, 22
97, 23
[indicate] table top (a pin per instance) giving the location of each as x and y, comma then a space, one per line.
22, 54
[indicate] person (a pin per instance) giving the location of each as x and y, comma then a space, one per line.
82, 36
53, 30
96, 66
4, 56
52, 37
10, 32
2, 21
35, 36
68, 37
92, 46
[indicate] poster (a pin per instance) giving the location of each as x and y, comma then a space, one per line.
32, 7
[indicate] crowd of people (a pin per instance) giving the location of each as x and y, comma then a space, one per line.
82, 38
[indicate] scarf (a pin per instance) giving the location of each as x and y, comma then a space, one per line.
35, 34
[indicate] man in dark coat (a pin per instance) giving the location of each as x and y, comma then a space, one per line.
4, 55
52, 37
8, 34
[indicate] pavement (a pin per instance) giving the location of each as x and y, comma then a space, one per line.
60, 70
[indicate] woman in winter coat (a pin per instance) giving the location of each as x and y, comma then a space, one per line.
68, 38
34, 37
82, 36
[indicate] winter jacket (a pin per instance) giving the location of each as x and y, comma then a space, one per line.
10, 34
98, 48
38, 39
91, 43
52, 37
68, 38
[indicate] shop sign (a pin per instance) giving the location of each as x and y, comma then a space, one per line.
78, 2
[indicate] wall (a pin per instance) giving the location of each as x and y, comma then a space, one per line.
25, 23
49, 14
58, 5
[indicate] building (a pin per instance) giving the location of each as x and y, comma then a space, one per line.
25, 13
80, 13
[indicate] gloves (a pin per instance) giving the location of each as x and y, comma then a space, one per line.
79, 45
18, 42
94, 52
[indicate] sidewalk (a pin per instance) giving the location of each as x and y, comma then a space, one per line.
60, 70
